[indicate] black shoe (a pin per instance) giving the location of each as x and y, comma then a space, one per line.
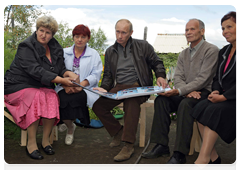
175, 163
157, 151
209, 166
35, 154
48, 150
216, 163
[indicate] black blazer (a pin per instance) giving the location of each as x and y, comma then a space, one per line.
226, 83
31, 68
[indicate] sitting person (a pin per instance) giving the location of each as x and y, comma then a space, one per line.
85, 62
128, 63
195, 69
29, 84
216, 115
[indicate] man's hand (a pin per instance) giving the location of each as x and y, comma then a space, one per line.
194, 94
100, 89
215, 97
170, 93
161, 82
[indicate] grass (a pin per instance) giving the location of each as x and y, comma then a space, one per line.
11, 130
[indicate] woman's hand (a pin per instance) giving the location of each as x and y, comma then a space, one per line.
67, 81
215, 97
72, 75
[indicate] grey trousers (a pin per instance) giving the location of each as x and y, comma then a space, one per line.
163, 106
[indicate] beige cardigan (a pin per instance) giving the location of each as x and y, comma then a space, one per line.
196, 73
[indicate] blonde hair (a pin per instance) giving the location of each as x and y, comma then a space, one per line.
47, 22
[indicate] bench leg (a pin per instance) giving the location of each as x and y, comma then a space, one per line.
142, 126
54, 134
23, 138
195, 144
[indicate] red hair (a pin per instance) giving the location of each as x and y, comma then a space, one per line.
81, 29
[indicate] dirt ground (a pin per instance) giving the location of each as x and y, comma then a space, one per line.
91, 146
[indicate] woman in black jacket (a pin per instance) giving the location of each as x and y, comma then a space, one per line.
29, 84
216, 115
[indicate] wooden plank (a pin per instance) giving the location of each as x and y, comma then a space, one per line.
195, 144
142, 134
23, 137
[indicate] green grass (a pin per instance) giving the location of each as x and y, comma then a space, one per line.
11, 130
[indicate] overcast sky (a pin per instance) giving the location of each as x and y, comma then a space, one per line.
158, 18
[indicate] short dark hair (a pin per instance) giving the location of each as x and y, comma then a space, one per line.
81, 29
230, 15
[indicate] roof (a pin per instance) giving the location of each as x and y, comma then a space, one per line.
170, 43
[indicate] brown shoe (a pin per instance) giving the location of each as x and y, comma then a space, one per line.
126, 153
117, 139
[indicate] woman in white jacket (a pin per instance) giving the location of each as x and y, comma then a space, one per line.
87, 63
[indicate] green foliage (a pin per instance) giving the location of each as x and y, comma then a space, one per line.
64, 35
18, 21
115, 111
9, 53
169, 59
92, 114
98, 40
173, 116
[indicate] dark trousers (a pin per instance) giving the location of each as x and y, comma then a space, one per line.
163, 106
131, 107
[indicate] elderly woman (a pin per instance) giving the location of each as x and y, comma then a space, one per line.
216, 115
29, 84
87, 63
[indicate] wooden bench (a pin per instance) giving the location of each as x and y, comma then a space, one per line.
53, 137
195, 141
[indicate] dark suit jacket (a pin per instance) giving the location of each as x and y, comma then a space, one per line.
226, 83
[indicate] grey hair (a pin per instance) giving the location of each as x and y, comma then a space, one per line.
201, 25
126, 20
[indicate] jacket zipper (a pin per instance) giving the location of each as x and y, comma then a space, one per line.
115, 79
134, 64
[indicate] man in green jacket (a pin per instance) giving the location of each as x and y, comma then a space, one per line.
128, 63
195, 69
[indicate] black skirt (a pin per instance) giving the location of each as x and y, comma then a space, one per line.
74, 106
220, 117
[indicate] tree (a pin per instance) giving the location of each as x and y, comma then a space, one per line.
18, 21
9, 53
63, 35
98, 40
169, 59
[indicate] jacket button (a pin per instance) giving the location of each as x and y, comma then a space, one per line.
52, 68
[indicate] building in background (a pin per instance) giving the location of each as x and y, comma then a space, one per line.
170, 43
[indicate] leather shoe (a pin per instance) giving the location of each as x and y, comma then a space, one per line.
35, 154
157, 151
216, 163
209, 166
174, 163
48, 150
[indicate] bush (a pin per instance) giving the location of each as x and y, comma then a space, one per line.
9, 53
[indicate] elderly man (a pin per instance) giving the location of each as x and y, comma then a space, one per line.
128, 63
195, 69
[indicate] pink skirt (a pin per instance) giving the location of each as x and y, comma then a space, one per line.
28, 105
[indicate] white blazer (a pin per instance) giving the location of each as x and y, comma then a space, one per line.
90, 69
